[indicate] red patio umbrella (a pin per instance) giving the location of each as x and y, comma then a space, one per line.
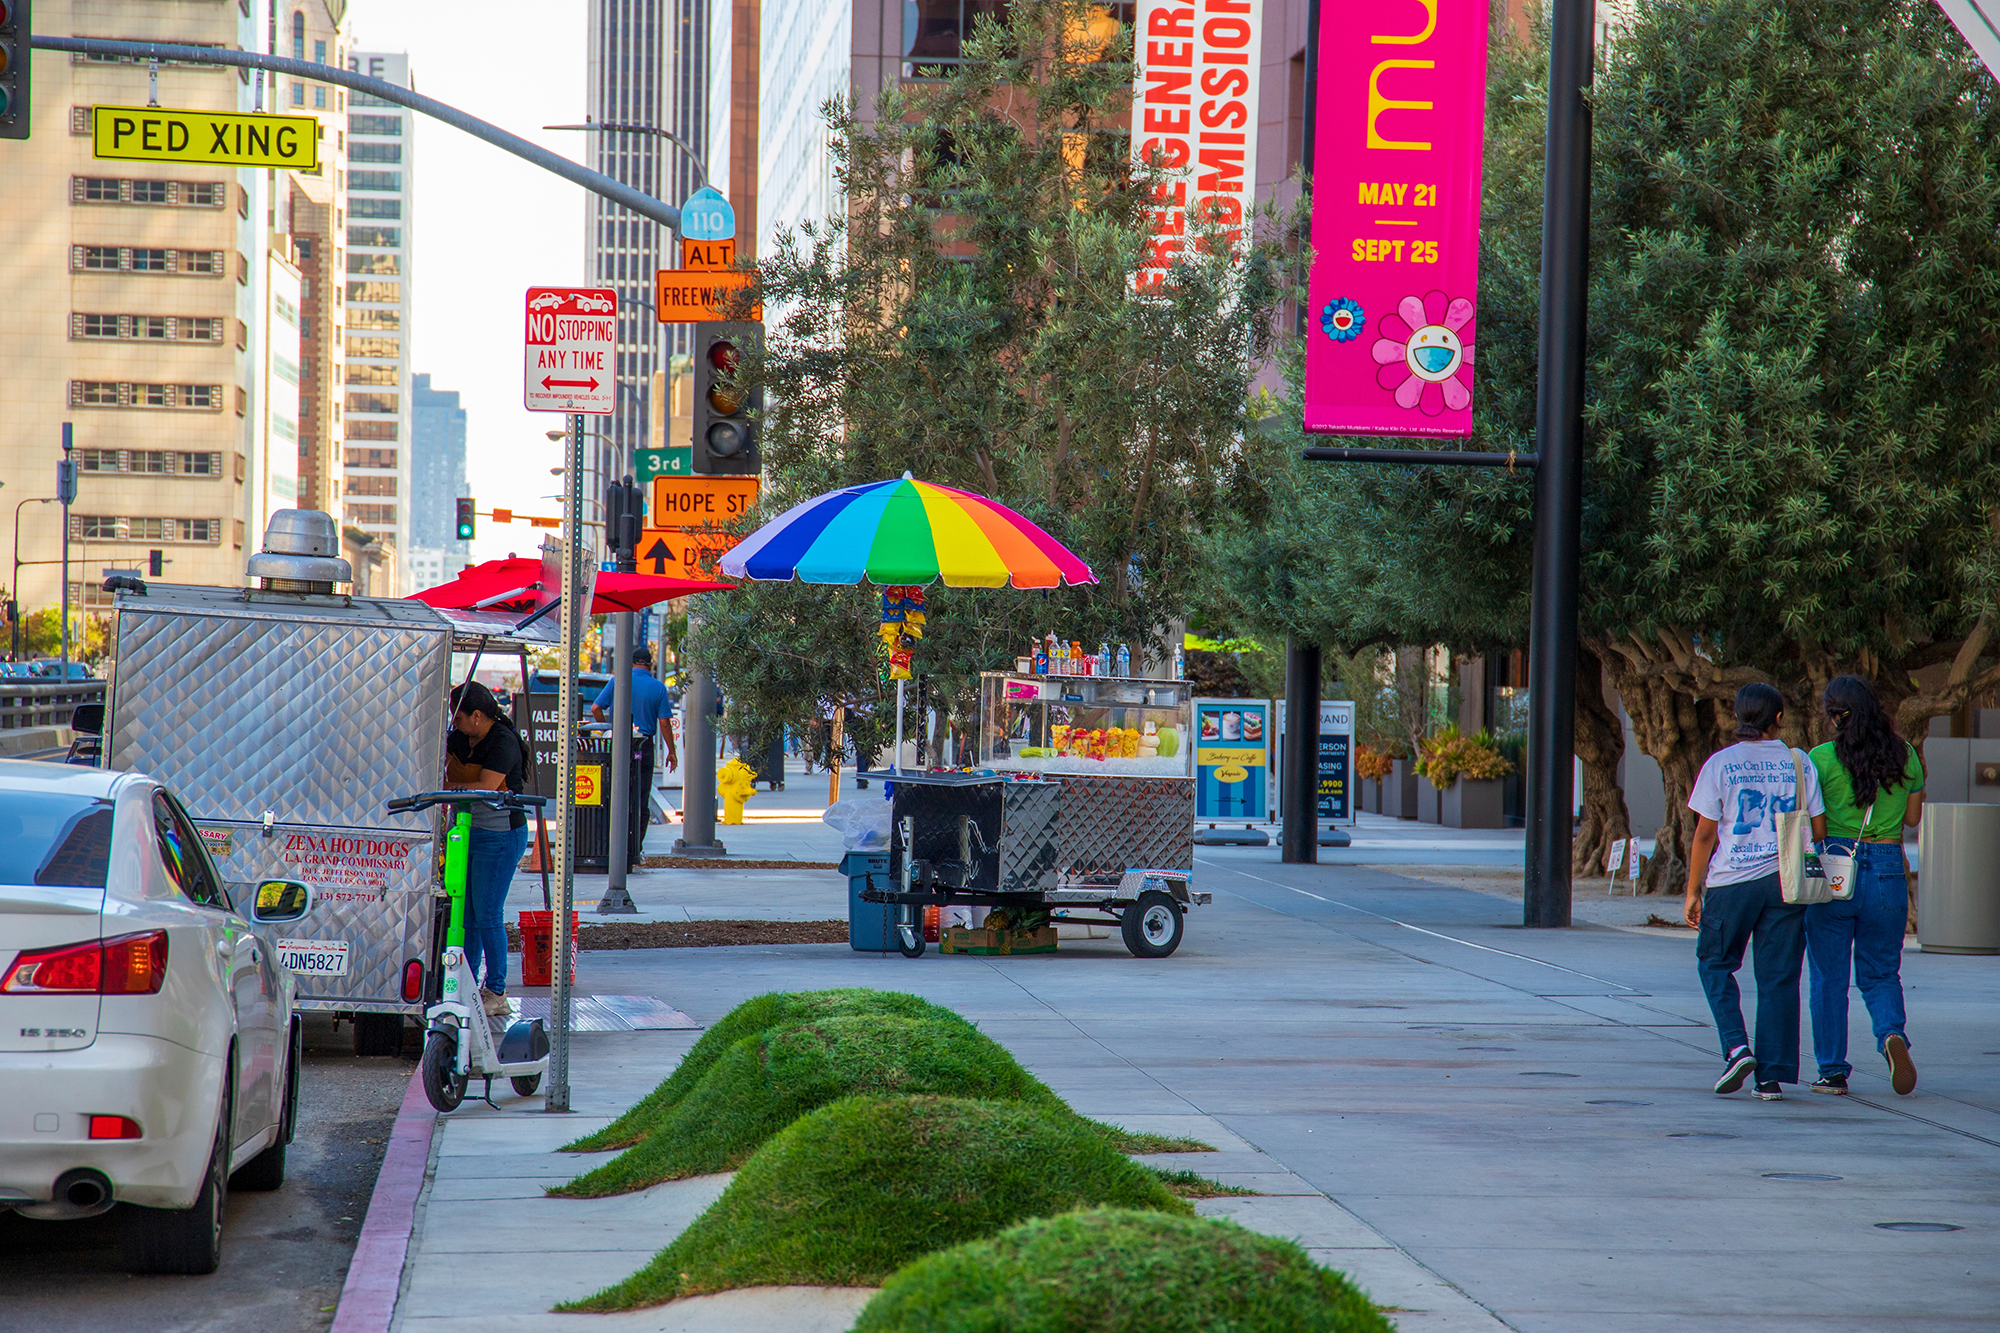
519, 584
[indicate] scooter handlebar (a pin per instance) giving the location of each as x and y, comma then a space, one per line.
504, 800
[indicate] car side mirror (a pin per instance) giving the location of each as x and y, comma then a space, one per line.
282, 900
87, 719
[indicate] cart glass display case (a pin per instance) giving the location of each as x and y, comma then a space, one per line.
1092, 726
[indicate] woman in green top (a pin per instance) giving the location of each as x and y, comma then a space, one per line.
1873, 783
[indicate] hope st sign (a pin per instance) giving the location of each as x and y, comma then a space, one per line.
1394, 288
215, 138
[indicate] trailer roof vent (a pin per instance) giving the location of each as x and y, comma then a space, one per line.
301, 554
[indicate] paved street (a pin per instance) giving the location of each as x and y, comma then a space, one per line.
284, 1254
1525, 1115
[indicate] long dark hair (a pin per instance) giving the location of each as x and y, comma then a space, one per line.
1864, 739
1757, 707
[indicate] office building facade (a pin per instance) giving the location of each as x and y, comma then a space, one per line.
437, 480
375, 434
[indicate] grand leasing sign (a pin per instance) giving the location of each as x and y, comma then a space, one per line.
1194, 115
1395, 280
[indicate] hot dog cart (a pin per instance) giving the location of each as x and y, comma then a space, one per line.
1081, 808
283, 716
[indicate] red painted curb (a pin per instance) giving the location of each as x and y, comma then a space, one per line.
375, 1274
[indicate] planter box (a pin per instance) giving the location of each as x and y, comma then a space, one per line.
1371, 795
1475, 803
1430, 803
1399, 790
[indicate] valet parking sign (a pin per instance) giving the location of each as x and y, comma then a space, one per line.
1194, 104
1395, 282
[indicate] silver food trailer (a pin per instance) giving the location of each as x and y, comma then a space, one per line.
1081, 808
284, 716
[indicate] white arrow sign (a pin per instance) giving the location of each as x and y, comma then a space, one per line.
571, 347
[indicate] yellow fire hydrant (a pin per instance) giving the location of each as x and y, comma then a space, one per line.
735, 782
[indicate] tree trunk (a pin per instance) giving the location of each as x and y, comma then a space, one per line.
1680, 731
1600, 744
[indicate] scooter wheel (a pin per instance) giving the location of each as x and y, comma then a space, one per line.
525, 1086
443, 1084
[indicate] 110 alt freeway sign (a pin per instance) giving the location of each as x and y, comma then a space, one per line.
571, 348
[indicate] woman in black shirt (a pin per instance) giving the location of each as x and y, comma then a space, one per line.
486, 754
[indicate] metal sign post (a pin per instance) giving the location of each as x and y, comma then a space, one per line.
575, 607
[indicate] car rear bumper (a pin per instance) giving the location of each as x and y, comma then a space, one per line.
47, 1099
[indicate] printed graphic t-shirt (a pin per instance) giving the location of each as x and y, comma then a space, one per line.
1744, 789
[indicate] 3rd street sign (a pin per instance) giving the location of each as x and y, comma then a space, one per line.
571, 347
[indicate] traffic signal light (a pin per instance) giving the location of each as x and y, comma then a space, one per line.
16, 62
725, 425
466, 521
624, 519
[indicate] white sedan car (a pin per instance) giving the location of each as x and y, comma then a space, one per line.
148, 1049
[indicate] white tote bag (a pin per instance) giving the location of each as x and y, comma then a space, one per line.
1801, 874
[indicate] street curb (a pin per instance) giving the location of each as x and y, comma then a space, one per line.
375, 1274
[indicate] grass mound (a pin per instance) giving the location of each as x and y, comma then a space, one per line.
1112, 1271
753, 1017
765, 1082
855, 1190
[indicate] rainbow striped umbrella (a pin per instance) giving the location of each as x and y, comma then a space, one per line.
905, 532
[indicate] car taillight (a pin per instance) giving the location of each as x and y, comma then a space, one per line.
113, 1127
413, 981
124, 965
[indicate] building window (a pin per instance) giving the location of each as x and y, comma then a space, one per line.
359, 373
98, 258
365, 318
389, 293
94, 393
151, 192
378, 264
119, 393
298, 34
152, 261
101, 189
376, 208
98, 527
383, 181
114, 259
384, 125
101, 460
298, 94
383, 403
381, 458
98, 326
934, 30
319, 95
286, 371
378, 486
375, 152
379, 515
387, 238
319, 53
202, 194
379, 348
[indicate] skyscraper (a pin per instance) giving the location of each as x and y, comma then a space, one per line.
381, 182
437, 479
648, 65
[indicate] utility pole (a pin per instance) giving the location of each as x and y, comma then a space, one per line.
1551, 786
623, 508
65, 492
1299, 836
575, 610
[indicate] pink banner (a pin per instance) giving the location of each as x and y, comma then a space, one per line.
1395, 281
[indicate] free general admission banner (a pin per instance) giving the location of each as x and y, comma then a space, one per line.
1194, 112
1395, 279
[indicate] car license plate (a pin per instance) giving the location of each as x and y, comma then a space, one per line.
314, 958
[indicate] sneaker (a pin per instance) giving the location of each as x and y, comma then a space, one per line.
495, 1003
1738, 1067
1768, 1092
1832, 1084
1902, 1073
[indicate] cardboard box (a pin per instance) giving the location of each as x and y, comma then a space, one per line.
986, 940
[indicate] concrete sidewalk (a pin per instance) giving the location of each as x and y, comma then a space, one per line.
1492, 1126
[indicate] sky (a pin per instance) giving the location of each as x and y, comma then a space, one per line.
488, 225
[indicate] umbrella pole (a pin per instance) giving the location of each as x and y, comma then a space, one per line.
896, 764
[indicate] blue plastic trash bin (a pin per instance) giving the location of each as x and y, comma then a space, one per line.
871, 927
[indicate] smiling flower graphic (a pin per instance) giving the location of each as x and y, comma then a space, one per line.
1342, 319
1425, 352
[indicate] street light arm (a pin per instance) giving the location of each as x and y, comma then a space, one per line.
597, 182
630, 127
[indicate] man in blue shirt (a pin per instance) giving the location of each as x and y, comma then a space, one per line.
652, 712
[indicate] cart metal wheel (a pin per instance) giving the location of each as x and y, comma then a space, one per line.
443, 1084
1153, 925
910, 938
525, 1085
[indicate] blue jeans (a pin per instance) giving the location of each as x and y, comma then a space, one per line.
489, 873
1754, 913
1867, 930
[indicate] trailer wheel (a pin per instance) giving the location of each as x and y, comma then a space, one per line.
910, 939
1153, 925
378, 1034
525, 1085
443, 1084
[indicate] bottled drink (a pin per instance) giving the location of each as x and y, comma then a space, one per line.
1104, 659
1124, 662
1180, 663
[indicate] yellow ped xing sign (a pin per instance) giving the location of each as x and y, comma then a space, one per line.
217, 138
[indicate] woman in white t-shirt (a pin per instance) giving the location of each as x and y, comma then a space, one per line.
1740, 793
